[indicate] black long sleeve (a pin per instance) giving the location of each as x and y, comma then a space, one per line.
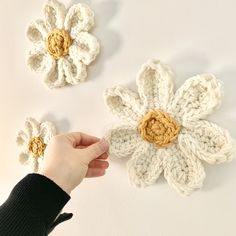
32, 207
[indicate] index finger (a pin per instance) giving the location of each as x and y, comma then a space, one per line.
82, 139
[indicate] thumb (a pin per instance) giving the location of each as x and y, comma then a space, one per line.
95, 150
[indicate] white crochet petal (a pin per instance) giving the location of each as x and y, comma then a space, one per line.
39, 60
33, 164
32, 127
54, 13
86, 47
22, 141
124, 103
183, 171
198, 97
79, 18
37, 31
146, 165
47, 131
56, 77
23, 158
123, 140
155, 85
208, 142
22, 138
74, 69
40, 163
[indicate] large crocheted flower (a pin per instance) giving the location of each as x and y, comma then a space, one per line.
62, 45
33, 141
166, 132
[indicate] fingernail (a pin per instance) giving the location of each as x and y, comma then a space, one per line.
104, 145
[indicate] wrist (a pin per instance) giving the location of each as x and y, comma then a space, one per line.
57, 179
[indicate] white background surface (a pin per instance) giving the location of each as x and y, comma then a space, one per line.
192, 37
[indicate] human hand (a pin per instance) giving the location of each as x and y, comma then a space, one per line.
71, 157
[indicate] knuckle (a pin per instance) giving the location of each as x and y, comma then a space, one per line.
95, 150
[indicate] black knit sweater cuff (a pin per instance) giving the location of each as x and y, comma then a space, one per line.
43, 195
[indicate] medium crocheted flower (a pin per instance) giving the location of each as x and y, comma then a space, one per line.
62, 44
33, 141
166, 132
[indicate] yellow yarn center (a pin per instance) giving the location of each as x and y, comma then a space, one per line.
158, 127
36, 146
58, 43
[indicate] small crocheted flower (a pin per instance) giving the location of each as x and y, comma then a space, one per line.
166, 132
33, 141
62, 44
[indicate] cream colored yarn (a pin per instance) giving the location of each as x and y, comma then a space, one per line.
197, 139
62, 44
32, 141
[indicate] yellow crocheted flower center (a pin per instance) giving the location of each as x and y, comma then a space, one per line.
58, 43
159, 128
36, 146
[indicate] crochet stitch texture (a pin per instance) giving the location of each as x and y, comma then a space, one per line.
165, 132
62, 44
33, 140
